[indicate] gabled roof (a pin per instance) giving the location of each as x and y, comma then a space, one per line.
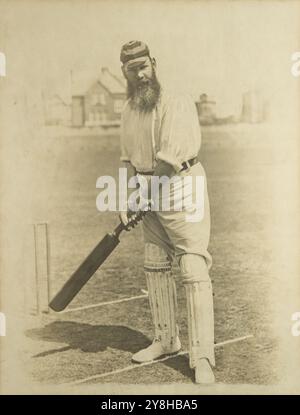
111, 82
108, 80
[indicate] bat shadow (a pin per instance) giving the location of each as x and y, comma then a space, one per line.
87, 337
90, 338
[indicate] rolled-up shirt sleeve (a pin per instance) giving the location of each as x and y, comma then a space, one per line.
179, 135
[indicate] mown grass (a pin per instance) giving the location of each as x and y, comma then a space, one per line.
239, 165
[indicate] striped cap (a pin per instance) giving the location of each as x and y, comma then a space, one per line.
133, 50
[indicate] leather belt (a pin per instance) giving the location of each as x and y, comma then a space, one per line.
189, 163
185, 165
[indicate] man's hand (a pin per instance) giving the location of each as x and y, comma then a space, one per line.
124, 218
145, 200
129, 216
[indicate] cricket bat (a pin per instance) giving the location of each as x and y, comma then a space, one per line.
91, 263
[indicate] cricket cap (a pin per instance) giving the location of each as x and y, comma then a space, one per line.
134, 53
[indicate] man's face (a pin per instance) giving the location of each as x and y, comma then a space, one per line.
139, 74
143, 88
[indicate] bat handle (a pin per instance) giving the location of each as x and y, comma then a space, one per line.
117, 231
138, 217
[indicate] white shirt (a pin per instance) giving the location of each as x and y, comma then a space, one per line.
171, 132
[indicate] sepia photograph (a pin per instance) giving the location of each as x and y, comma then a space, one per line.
150, 197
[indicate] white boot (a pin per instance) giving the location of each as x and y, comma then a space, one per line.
155, 351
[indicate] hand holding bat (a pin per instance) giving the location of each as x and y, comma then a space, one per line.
93, 261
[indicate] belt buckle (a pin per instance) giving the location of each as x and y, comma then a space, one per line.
187, 166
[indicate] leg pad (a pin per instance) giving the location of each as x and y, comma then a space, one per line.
162, 294
199, 297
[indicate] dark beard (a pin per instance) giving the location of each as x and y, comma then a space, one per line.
144, 97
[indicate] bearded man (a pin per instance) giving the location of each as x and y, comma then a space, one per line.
160, 136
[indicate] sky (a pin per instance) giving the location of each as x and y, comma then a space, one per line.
223, 48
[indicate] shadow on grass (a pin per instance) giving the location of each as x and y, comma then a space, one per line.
97, 338
88, 338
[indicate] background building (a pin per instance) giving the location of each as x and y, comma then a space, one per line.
99, 103
255, 109
206, 108
56, 110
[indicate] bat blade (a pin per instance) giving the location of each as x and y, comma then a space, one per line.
84, 272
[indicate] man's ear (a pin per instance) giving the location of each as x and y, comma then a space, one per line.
153, 62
